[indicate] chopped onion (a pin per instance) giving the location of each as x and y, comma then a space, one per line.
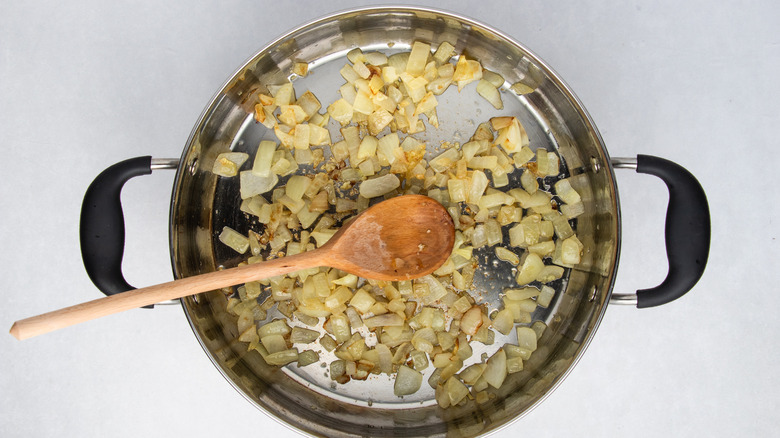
384, 320
521, 294
300, 335
545, 297
526, 338
471, 320
308, 357
490, 93
495, 371
235, 240
228, 163
531, 268
407, 381
431, 320
252, 184
456, 390
379, 186
504, 321
282, 358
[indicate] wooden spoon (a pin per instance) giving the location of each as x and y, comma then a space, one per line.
399, 239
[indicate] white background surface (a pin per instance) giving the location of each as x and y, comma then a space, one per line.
84, 84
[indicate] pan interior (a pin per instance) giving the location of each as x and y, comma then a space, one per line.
203, 204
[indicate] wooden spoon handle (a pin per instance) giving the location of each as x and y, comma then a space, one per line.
55, 320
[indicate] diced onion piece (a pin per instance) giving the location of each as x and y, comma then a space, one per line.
531, 268
318, 135
570, 250
308, 357
424, 339
529, 182
367, 148
521, 294
363, 103
495, 371
277, 326
549, 273
542, 162
571, 211
471, 320
562, 227
520, 88
442, 398
235, 240
539, 327
301, 335
228, 163
456, 390
466, 72
445, 160
328, 343
504, 321
435, 288
513, 351
479, 182
443, 53
484, 162
439, 85
362, 301
442, 360
446, 340
545, 297
292, 115
492, 232
542, 249
419, 360
301, 69
249, 335
361, 69
284, 95
341, 111
356, 55
566, 192
349, 74
338, 368
457, 189
472, 373
263, 158
416, 88
340, 328
379, 120
379, 186
296, 186
512, 136
490, 93
375, 58
427, 104
306, 319
524, 155
553, 164
526, 338
384, 320
494, 78
282, 358
251, 184
418, 57
514, 364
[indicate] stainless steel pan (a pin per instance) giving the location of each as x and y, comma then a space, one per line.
305, 398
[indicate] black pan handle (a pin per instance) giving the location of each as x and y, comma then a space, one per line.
102, 224
687, 232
